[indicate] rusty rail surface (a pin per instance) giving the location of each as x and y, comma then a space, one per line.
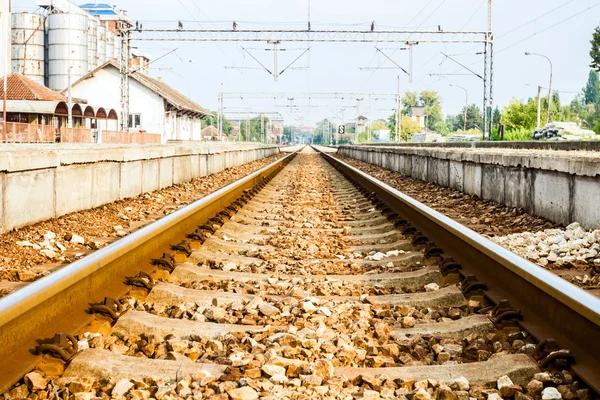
58, 302
551, 307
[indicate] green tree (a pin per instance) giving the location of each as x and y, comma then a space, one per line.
407, 127
323, 131
595, 50
496, 116
433, 110
451, 122
212, 121
591, 92
518, 115
377, 125
408, 100
474, 118
253, 131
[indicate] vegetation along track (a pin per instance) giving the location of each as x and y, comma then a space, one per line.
308, 281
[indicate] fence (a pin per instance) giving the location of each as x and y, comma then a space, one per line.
15, 132
117, 137
75, 135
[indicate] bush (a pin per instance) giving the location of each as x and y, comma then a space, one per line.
517, 134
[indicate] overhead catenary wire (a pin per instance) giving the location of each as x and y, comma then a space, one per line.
549, 27
200, 25
528, 37
525, 24
472, 15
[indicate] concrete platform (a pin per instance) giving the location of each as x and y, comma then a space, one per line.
554, 184
40, 182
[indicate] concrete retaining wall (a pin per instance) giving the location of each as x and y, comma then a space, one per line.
561, 186
42, 182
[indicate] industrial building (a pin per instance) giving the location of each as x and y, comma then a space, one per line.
66, 41
81, 47
154, 107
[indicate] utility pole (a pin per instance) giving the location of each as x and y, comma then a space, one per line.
124, 72
539, 105
491, 34
370, 134
550, 84
275, 54
398, 117
343, 123
357, 119
247, 128
220, 113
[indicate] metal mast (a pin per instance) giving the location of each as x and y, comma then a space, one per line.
488, 77
491, 41
124, 72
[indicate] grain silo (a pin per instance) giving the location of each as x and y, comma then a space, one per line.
110, 44
67, 48
101, 53
92, 43
27, 45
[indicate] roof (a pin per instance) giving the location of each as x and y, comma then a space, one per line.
172, 96
32, 106
210, 131
19, 87
95, 5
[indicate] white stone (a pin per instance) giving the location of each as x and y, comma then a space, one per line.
121, 387
272, 369
243, 393
494, 396
432, 287
278, 378
76, 239
268, 309
309, 307
50, 235
551, 393
51, 254
504, 381
461, 383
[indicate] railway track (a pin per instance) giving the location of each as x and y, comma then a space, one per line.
307, 279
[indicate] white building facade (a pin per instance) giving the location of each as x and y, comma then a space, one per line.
154, 107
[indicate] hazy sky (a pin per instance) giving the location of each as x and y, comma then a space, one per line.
559, 29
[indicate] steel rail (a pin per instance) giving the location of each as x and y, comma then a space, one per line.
58, 302
551, 306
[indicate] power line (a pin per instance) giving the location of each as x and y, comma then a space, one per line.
394, 52
547, 28
419, 13
472, 15
535, 19
526, 23
200, 25
530, 36
433, 12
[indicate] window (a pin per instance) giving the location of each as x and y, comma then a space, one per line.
135, 120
